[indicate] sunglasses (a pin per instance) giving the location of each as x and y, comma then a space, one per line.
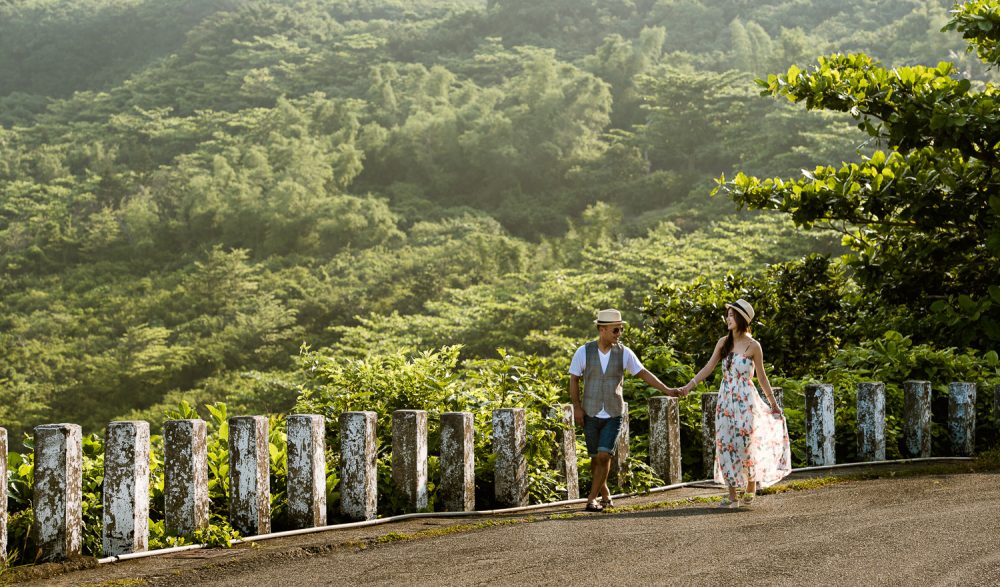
617, 330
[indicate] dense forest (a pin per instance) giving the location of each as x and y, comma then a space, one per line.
198, 196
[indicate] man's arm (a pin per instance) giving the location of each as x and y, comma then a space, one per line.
654, 382
574, 396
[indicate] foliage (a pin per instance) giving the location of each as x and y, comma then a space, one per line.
925, 203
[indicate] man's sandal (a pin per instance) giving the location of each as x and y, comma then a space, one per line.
593, 506
607, 503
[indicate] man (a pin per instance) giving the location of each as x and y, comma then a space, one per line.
602, 364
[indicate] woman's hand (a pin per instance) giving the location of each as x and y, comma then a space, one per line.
776, 410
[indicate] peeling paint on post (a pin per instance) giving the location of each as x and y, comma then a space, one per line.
619, 460
510, 468
708, 403
409, 456
126, 488
358, 479
820, 425
567, 452
458, 465
871, 421
917, 419
185, 476
962, 418
58, 491
249, 475
306, 489
777, 392
3, 496
665, 438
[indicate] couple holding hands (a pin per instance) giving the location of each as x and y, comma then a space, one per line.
751, 437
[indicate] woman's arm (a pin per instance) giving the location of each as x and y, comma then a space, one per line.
708, 368
758, 364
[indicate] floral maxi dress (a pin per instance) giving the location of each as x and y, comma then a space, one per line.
750, 441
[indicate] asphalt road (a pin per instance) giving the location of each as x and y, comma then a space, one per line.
929, 530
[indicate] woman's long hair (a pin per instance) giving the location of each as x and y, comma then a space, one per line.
741, 327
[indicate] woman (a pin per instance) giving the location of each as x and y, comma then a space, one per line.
751, 438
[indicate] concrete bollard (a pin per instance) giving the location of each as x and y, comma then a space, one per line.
510, 467
619, 461
567, 452
708, 403
665, 438
458, 465
306, 489
126, 488
3, 496
409, 456
962, 418
820, 425
996, 403
871, 421
779, 396
358, 475
185, 476
249, 475
917, 419
58, 491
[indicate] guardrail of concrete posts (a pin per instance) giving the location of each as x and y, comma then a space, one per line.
57, 495
665, 438
567, 452
510, 468
619, 461
917, 419
249, 475
306, 482
409, 456
58, 462
126, 488
871, 421
458, 463
3, 494
962, 418
709, 401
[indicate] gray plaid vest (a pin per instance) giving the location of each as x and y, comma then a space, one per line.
603, 389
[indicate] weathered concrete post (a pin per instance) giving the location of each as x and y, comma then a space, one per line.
458, 465
249, 475
665, 438
708, 403
962, 418
510, 467
619, 462
3, 495
917, 419
306, 487
58, 491
996, 403
779, 395
567, 452
185, 476
820, 425
126, 488
871, 421
409, 456
358, 476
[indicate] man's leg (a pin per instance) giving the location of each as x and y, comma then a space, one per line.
600, 467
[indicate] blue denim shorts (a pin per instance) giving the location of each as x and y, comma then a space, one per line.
601, 434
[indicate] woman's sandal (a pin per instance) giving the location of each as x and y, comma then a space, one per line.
727, 504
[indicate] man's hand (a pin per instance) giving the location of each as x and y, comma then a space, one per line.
578, 415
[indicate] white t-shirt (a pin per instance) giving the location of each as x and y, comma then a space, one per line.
630, 362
